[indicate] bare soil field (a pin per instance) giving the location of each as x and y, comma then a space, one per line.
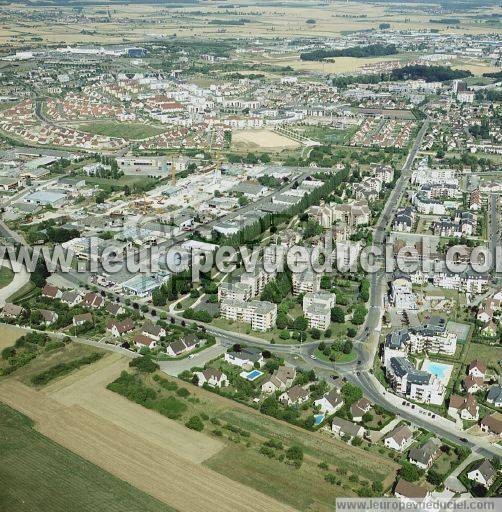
266, 139
151, 452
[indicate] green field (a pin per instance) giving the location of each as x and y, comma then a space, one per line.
489, 354
303, 489
132, 131
6, 276
38, 475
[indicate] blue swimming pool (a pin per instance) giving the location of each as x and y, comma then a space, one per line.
318, 419
253, 375
440, 370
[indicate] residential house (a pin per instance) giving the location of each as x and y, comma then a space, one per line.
477, 369
424, 456
141, 341
212, 377
49, 317
347, 428
153, 331
492, 424
72, 298
473, 384
118, 328
359, 409
12, 311
464, 407
182, 346
399, 439
407, 491
495, 395
82, 319
280, 380
294, 396
93, 300
115, 309
330, 403
483, 473
51, 292
245, 358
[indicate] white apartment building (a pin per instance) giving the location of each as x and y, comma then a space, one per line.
257, 280
235, 291
261, 315
317, 309
402, 296
417, 385
307, 281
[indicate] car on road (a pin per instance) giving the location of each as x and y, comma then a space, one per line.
312, 356
463, 439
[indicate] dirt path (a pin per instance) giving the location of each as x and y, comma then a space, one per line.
155, 454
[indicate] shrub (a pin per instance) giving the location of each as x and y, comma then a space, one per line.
183, 392
195, 423
144, 364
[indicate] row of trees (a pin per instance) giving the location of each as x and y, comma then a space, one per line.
371, 50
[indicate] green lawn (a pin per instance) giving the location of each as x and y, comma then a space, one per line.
126, 130
489, 354
6, 276
38, 475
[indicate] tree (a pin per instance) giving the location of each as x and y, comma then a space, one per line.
40, 274
300, 323
337, 315
144, 364
316, 334
159, 297
351, 393
295, 452
347, 347
434, 477
195, 423
359, 315
410, 472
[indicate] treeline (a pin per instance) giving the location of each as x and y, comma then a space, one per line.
372, 50
496, 74
253, 231
61, 369
447, 21
411, 72
429, 73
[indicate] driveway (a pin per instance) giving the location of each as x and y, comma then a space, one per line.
174, 368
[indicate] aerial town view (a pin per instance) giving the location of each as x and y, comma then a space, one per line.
251, 255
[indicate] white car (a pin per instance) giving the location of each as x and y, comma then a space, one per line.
312, 356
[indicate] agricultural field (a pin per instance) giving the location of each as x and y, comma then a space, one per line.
28, 458
130, 441
248, 436
126, 130
271, 20
9, 334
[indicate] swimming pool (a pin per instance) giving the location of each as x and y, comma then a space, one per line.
318, 419
440, 370
254, 375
